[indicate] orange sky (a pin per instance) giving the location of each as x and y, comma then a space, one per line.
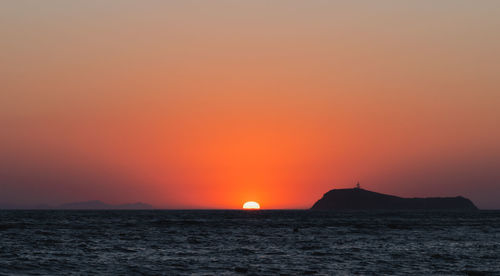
197, 104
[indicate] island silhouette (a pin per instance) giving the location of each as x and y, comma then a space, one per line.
361, 199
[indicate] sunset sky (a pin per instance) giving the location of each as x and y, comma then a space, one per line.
208, 104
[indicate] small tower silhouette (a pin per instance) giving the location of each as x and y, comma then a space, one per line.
358, 186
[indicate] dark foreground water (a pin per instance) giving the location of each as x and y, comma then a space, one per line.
252, 242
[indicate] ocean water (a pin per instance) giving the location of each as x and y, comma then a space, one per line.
249, 242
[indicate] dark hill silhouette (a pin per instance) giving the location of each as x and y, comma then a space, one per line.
360, 199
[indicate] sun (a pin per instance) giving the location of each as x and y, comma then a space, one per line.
251, 205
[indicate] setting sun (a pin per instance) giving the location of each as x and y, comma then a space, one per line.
251, 205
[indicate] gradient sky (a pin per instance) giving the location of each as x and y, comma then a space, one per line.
208, 104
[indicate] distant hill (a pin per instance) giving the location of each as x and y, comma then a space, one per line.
134, 206
84, 205
360, 199
6, 206
94, 204
99, 205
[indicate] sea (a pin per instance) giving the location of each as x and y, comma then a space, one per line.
261, 242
